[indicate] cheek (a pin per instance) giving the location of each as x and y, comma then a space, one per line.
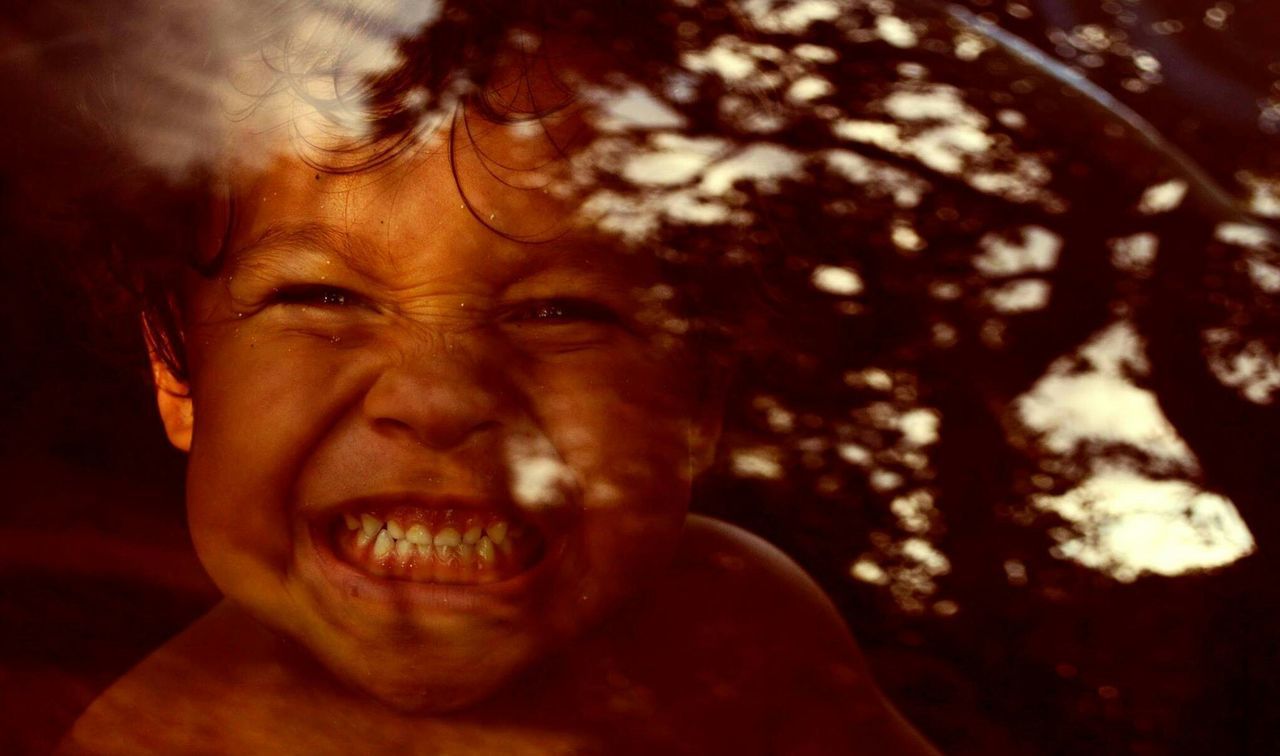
257, 413
626, 442
623, 429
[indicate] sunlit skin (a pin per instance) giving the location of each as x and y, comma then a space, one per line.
370, 339
369, 345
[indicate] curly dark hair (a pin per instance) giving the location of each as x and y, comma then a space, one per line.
163, 231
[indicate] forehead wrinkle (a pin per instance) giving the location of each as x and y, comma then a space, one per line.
280, 241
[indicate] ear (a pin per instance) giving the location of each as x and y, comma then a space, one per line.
173, 398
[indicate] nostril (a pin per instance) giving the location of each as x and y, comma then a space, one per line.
392, 426
437, 433
487, 425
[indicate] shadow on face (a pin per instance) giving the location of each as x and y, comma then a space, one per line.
436, 424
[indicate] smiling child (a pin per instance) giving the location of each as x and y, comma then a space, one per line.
441, 437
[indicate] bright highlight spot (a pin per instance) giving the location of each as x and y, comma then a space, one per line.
1161, 198
761, 462
836, 280
1127, 524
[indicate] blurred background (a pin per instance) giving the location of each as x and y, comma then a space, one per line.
1028, 439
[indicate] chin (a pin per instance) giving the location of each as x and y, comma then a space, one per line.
432, 699
449, 680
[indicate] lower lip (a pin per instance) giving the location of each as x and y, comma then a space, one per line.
355, 583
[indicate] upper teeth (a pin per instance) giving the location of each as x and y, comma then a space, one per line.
392, 535
383, 545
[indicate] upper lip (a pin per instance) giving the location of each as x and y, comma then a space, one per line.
380, 502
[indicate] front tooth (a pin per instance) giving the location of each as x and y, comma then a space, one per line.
424, 550
382, 546
370, 525
403, 549
419, 535
465, 550
472, 535
448, 537
352, 522
497, 532
484, 548
395, 530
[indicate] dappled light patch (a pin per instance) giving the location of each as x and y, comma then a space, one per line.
1252, 366
1135, 254
1126, 524
1133, 501
1032, 250
1264, 193
1162, 197
991, 342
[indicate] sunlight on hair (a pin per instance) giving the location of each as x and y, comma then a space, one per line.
295, 68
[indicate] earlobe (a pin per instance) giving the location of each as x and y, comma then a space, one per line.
173, 395
173, 398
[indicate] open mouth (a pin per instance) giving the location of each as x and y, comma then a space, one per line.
458, 547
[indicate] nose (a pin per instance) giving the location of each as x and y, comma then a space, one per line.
440, 397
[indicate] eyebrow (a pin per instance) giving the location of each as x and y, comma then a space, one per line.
281, 243
305, 238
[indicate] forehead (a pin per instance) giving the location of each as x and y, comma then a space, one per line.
478, 198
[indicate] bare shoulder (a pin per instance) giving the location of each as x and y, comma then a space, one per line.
824, 699
139, 712
209, 686
737, 571
123, 719
736, 551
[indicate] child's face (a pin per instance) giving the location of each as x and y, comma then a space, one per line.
426, 451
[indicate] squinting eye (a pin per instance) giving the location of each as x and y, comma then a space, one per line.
319, 295
558, 311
